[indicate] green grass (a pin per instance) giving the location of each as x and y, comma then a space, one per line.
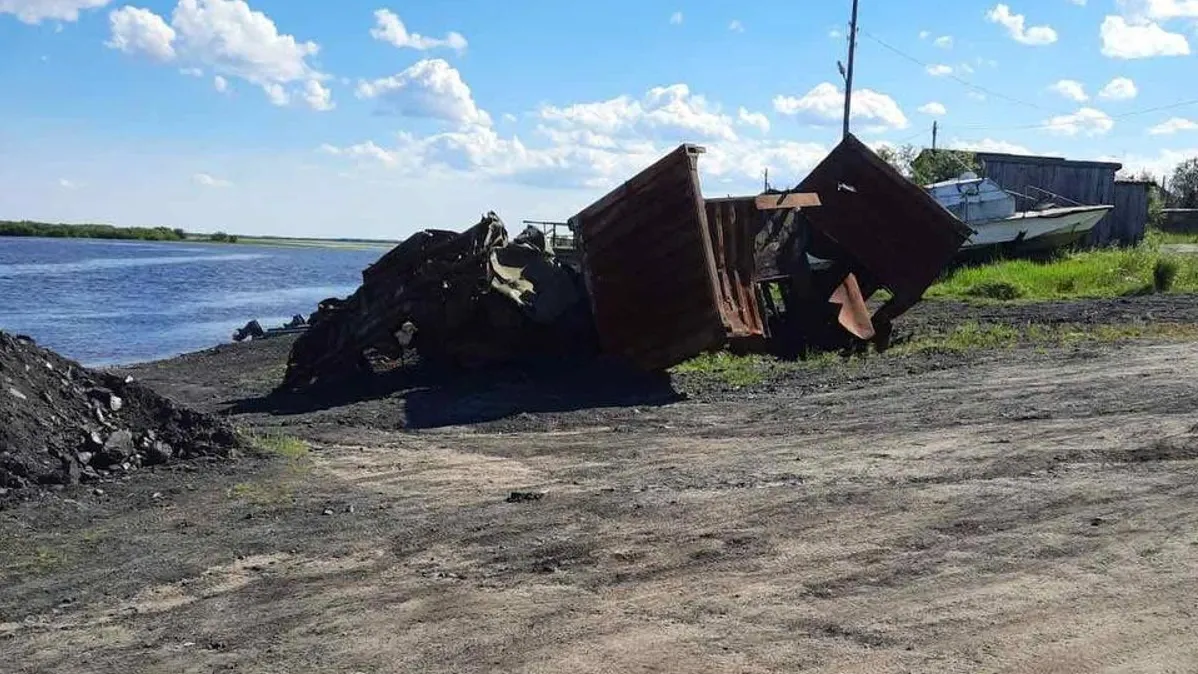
277, 444
1112, 272
973, 336
731, 369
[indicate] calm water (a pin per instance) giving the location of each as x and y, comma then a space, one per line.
105, 302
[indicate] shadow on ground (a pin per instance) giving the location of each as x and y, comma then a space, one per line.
433, 397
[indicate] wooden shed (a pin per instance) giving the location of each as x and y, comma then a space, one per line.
1084, 182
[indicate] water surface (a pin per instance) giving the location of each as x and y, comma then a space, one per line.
116, 302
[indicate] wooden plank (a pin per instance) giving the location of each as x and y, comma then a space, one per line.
769, 202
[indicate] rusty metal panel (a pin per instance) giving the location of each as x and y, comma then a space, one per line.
657, 293
887, 225
733, 225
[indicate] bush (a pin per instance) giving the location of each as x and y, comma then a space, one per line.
995, 290
222, 237
1164, 273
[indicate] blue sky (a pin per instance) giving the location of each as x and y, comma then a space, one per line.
367, 118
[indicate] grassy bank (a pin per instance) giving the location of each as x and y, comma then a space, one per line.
1115, 272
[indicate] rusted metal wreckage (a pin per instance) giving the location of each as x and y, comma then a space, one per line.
657, 275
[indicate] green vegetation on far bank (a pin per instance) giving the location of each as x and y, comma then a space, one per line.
1109, 272
90, 231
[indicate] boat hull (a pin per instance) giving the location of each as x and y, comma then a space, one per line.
1035, 231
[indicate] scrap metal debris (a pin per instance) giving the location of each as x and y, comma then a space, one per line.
466, 299
654, 274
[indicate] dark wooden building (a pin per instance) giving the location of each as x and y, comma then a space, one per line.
1084, 182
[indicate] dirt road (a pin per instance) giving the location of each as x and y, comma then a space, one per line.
1030, 511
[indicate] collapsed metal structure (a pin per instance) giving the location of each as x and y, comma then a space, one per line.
658, 274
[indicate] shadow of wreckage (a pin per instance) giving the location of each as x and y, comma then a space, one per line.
658, 275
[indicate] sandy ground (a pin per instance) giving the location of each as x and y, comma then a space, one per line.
1025, 511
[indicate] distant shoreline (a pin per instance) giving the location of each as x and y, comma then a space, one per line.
29, 229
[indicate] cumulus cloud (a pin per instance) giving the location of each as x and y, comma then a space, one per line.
391, 29
36, 11
431, 89
1122, 39
944, 42
989, 145
318, 96
1160, 10
933, 108
940, 70
140, 30
206, 180
1119, 89
736, 26
192, 72
1172, 126
228, 37
1017, 28
1086, 121
824, 106
1071, 89
598, 144
220, 83
757, 120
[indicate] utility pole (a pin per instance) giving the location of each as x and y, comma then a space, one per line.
935, 128
848, 77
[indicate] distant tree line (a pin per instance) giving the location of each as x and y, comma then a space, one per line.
28, 228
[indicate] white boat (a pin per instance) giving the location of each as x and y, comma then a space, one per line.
990, 212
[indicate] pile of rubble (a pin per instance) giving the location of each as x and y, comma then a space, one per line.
61, 423
655, 274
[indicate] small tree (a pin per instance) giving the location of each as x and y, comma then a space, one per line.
1183, 185
933, 166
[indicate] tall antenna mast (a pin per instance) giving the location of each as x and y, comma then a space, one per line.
848, 76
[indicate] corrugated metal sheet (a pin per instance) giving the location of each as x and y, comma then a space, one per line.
733, 224
892, 231
1129, 220
659, 292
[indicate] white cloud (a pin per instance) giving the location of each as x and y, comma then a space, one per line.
671, 111
755, 119
140, 30
976, 95
192, 72
206, 180
1086, 121
736, 26
1160, 166
835, 34
429, 89
364, 150
390, 28
824, 105
66, 184
1173, 126
317, 96
989, 145
933, 108
944, 42
1079, 3
221, 84
227, 36
1119, 89
966, 68
509, 117
1124, 40
276, 94
1016, 25
36, 11
923, 34
1160, 10
1071, 89
939, 70
676, 19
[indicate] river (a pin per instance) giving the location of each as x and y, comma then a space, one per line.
119, 302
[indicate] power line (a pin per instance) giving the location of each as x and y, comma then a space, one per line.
967, 83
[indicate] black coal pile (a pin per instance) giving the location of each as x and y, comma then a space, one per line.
61, 423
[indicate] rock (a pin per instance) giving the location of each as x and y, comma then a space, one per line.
328, 511
71, 470
98, 492
159, 452
17, 394
3, 492
156, 495
85, 458
120, 441
115, 403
